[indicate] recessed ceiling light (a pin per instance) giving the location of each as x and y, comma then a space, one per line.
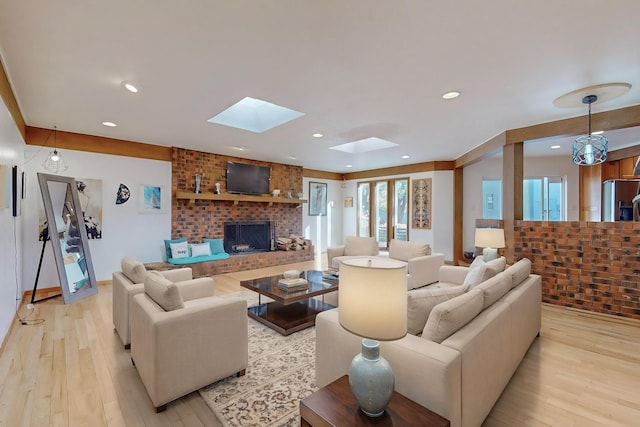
130, 87
348, 166
292, 157
109, 124
405, 157
451, 95
555, 147
239, 148
317, 135
600, 132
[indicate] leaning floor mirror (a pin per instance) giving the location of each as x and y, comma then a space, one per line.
68, 235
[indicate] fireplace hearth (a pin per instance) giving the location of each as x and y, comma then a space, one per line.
247, 237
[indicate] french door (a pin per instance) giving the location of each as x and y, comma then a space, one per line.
383, 210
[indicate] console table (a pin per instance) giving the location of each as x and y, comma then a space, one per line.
335, 405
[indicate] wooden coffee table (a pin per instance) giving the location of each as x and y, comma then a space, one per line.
291, 311
335, 405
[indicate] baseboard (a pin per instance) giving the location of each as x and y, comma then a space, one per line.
45, 292
9, 331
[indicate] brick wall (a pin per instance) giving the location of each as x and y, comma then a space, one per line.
593, 266
205, 218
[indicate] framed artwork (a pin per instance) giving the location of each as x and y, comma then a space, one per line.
421, 197
151, 199
348, 202
317, 198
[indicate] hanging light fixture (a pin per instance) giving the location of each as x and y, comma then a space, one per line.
55, 163
590, 149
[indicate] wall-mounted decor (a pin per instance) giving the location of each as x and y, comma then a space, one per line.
317, 199
150, 199
421, 203
90, 195
348, 202
123, 194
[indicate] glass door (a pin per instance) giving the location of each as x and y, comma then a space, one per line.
383, 210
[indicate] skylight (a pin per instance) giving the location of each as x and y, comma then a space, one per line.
364, 145
255, 115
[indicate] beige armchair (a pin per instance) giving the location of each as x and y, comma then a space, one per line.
130, 281
181, 346
422, 265
354, 247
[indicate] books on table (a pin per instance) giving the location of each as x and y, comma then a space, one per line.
331, 274
296, 284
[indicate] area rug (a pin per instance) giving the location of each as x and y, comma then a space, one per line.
281, 372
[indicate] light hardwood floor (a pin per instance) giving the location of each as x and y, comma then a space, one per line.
71, 370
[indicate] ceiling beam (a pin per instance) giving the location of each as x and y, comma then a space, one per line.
7, 95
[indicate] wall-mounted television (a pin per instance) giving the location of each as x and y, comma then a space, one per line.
243, 178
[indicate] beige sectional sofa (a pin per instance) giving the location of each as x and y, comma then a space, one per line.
470, 346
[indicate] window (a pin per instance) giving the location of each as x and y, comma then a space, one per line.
389, 217
543, 199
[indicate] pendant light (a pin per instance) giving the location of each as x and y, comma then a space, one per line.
55, 163
590, 149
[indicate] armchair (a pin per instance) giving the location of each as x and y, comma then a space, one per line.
130, 282
354, 246
181, 346
422, 265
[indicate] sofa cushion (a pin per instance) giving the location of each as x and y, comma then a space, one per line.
497, 264
494, 288
164, 292
167, 244
133, 269
360, 246
420, 302
179, 250
404, 251
519, 271
447, 317
200, 249
217, 246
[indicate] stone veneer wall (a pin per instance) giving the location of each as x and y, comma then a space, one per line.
205, 218
593, 266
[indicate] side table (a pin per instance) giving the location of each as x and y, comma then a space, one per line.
335, 405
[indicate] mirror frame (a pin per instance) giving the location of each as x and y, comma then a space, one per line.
67, 295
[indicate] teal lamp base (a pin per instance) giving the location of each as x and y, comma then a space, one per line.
371, 379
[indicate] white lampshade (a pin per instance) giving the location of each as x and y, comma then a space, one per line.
490, 238
373, 298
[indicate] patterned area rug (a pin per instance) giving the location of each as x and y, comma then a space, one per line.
281, 372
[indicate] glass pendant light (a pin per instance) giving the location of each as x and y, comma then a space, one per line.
55, 163
590, 149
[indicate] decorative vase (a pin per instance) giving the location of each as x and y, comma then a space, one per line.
371, 379
198, 182
218, 188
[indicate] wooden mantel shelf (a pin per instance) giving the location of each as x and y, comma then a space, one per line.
235, 198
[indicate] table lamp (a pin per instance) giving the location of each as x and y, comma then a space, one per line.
490, 239
373, 304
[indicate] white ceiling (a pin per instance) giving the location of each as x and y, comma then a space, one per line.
356, 69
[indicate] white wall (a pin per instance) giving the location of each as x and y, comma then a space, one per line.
11, 148
324, 231
440, 236
125, 231
491, 168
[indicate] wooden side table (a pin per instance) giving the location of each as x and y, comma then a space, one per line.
335, 405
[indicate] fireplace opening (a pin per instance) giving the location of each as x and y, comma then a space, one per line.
247, 237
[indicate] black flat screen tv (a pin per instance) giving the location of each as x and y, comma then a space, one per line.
243, 178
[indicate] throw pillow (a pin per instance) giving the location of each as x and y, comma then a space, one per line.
404, 251
447, 317
167, 244
133, 269
179, 250
200, 249
497, 264
163, 292
420, 302
217, 246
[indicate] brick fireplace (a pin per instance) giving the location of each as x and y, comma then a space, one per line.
200, 219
